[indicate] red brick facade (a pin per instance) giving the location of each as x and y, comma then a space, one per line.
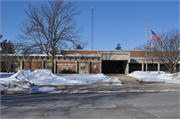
138, 54
66, 67
33, 65
87, 52
95, 68
63, 52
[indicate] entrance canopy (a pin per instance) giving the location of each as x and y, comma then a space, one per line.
124, 56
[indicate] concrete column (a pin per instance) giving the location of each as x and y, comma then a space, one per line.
77, 67
127, 69
143, 66
158, 66
42, 64
22, 64
89, 65
101, 58
55, 66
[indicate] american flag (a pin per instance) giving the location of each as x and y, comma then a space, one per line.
154, 37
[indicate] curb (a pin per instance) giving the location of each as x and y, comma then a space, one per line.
91, 92
130, 91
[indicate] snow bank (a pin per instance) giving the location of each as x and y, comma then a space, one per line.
156, 76
4, 75
38, 77
129, 91
45, 77
25, 80
85, 79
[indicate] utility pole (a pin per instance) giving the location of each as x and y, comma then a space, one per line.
146, 44
92, 30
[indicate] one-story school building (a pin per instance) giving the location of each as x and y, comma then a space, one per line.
86, 61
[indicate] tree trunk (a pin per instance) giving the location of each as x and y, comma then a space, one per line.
7, 66
7, 69
52, 63
170, 70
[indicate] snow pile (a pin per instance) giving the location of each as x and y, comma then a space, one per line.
44, 89
4, 75
38, 77
45, 77
23, 82
152, 76
26, 81
85, 79
29, 90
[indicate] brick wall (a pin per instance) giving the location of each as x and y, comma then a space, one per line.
66, 67
132, 53
95, 68
33, 65
138, 54
149, 54
83, 52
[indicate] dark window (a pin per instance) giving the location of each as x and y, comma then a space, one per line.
83, 67
49, 67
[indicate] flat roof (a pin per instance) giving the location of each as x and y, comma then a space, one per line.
103, 50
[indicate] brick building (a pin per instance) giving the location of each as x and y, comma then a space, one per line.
87, 61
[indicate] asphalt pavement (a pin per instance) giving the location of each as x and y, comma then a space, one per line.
110, 105
91, 106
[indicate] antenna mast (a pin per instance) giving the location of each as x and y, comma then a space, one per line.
92, 30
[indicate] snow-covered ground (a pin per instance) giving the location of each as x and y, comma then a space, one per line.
25, 81
85, 79
153, 76
4, 75
45, 77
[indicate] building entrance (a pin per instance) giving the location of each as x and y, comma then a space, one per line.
116, 67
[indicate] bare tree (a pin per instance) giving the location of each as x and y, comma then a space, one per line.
51, 27
168, 53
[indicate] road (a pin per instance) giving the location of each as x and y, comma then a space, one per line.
63, 106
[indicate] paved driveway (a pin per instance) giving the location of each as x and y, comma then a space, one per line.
132, 84
127, 80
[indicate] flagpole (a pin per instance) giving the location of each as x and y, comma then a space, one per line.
92, 31
146, 44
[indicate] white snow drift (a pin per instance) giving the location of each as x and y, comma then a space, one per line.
156, 76
45, 77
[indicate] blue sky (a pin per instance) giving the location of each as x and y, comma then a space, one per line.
115, 22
